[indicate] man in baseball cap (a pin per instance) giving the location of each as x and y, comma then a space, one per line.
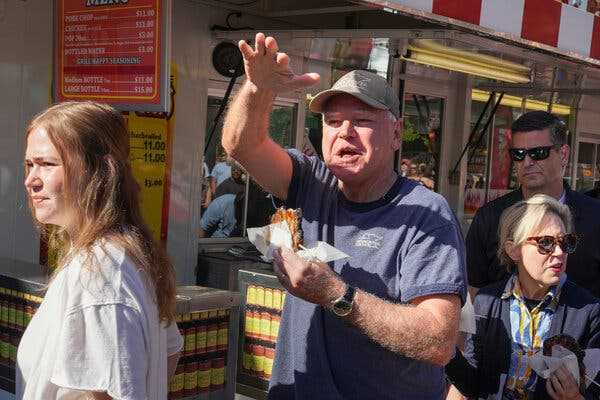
383, 322
371, 89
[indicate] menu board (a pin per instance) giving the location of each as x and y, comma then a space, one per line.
114, 51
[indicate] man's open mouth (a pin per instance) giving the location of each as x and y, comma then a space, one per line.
348, 152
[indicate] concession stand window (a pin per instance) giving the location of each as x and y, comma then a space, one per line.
588, 165
223, 179
223, 246
421, 139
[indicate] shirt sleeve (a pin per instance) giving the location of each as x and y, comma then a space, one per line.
435, 264
103, 348
307, 174
174, 339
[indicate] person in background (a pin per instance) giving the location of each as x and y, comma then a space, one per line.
225, 216
540, 152
536, 302
426, 176
221, 171
404, 167
206, 187
382, 323
105, 328
222, 217
235, 183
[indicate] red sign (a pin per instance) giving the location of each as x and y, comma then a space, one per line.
501, 162
109, 50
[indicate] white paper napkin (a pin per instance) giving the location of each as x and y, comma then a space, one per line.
323, 252
268, 238
544, 366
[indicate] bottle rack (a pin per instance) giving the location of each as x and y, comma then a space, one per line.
262, 304
207, 319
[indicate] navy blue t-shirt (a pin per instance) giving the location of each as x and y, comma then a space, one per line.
405, 245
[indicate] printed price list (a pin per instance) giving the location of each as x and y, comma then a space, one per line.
110, 51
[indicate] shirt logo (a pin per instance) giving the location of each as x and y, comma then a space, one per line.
370, 240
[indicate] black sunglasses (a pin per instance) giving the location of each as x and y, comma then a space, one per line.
547, 244
536, 153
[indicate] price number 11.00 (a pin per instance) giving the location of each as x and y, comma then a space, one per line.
154, 157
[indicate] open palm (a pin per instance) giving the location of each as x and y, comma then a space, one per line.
268, 69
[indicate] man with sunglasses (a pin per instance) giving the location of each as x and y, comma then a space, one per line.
540, 153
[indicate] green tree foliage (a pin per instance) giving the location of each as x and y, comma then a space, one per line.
280, 125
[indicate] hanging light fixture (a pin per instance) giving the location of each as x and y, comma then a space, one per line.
515, 101
429, 52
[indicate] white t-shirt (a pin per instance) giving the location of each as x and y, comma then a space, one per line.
97, 329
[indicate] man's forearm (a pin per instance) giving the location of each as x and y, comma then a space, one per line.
412, 331
247, 120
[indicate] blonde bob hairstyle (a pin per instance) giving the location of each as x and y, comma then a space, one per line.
101, 194
523, 219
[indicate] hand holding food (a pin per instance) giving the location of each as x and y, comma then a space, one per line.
561, 385
312, 281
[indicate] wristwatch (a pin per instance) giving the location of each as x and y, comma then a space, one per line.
343, 306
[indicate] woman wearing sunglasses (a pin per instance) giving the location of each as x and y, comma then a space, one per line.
536, 302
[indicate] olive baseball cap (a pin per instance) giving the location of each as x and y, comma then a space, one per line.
367, 87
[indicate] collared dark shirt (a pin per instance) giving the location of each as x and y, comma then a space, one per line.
583, 266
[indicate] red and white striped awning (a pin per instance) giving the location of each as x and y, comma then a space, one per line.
547, 24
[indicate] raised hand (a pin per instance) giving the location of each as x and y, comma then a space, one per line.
268, 69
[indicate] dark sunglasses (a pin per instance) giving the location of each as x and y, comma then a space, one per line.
536, 153
547, 244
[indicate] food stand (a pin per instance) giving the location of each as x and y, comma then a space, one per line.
174, 158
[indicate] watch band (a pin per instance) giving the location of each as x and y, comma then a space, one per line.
349, 294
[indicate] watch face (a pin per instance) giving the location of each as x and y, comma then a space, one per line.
342, 308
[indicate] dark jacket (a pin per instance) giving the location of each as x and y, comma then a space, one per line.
583, 266
487, 353
595, 192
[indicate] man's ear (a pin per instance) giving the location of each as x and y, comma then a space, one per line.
565, 151
513, 250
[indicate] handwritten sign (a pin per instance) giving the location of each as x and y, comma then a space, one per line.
148, 154
112, 51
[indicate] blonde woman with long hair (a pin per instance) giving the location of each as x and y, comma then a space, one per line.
105, 328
